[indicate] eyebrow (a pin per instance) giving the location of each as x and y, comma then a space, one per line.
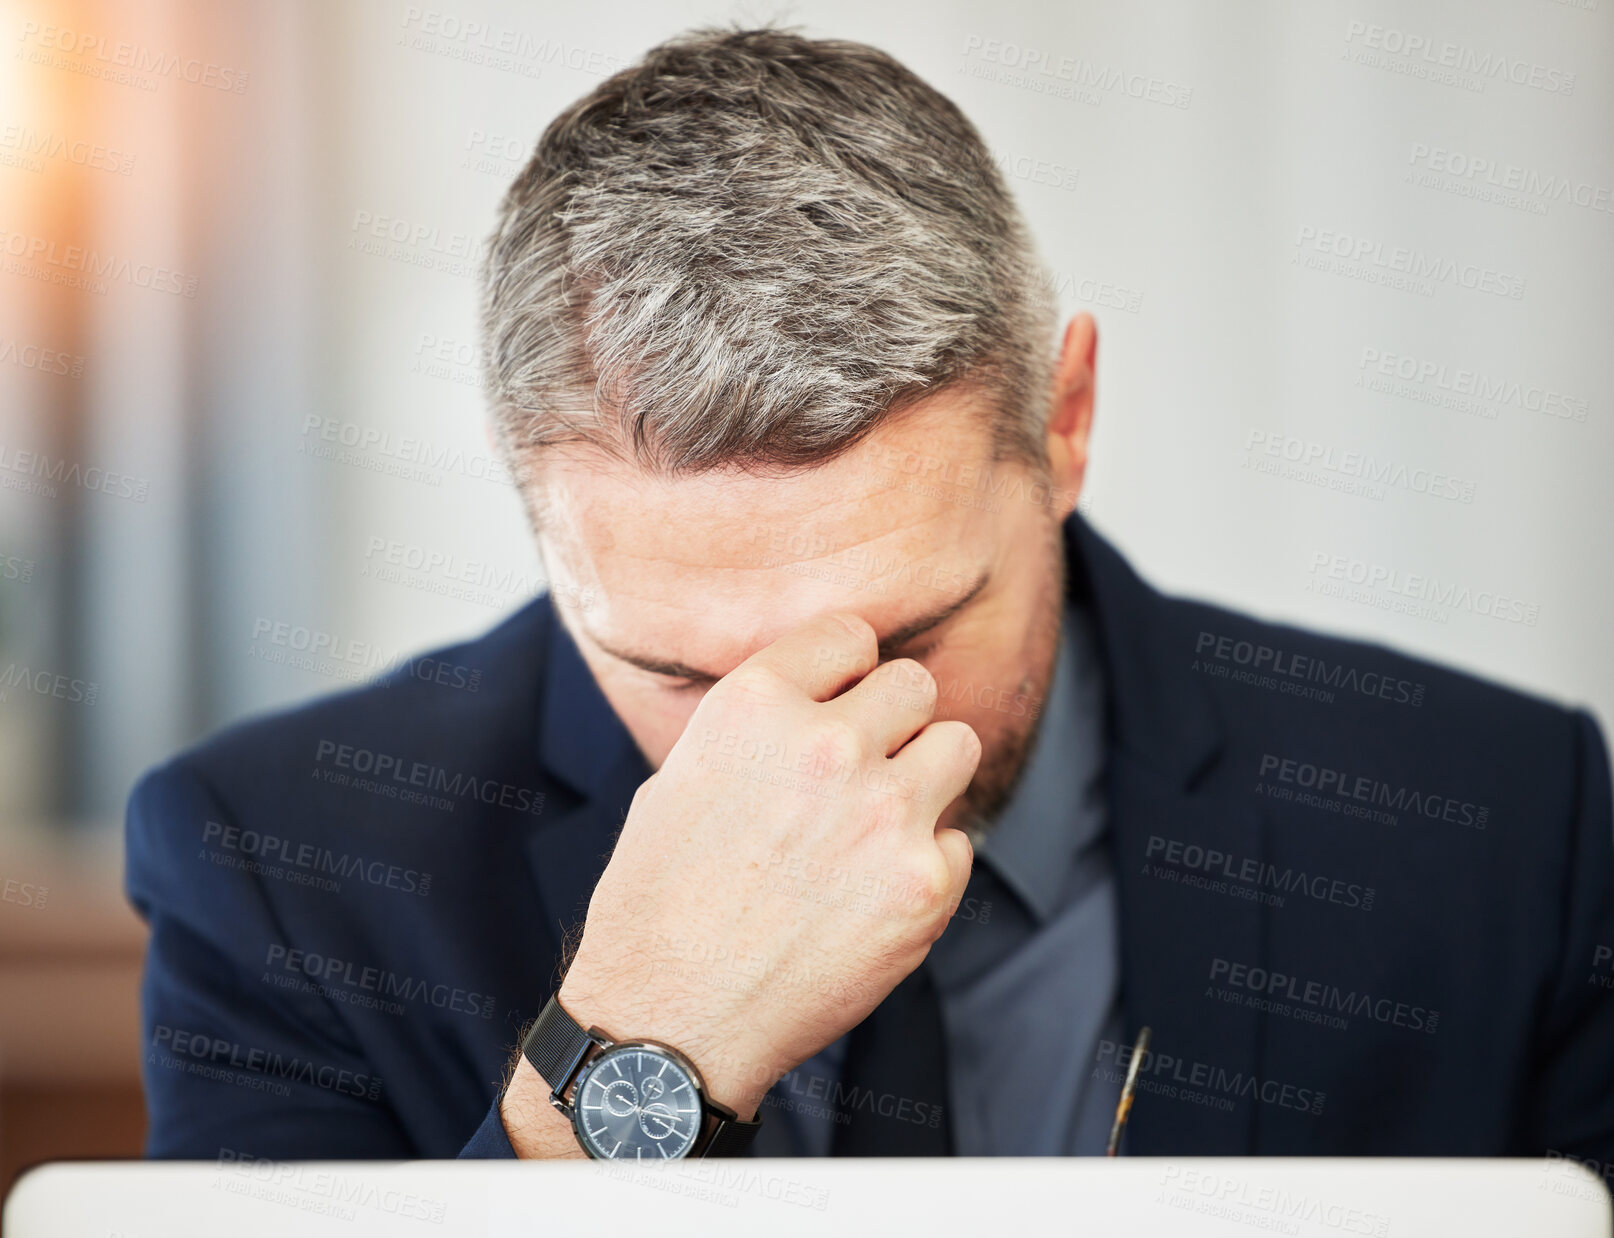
888, 644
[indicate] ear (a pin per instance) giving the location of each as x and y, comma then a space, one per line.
1070, 418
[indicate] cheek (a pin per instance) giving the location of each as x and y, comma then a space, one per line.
986, 687
973, 666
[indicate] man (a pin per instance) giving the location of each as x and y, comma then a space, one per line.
847, 775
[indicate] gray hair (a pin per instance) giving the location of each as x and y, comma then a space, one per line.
750, 248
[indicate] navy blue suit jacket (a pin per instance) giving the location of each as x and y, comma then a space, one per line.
1366, 902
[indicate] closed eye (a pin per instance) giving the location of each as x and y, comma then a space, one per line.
671, 683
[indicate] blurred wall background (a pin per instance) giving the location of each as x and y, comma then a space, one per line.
1351, 261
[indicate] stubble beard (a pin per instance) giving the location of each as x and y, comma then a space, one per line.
1004, 765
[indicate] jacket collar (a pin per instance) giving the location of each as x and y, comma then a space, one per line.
581, 741
1172, 730
584, 747
1165, 786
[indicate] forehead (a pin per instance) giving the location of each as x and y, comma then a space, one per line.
705, 569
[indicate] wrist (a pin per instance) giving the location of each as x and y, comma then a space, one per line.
535, 1128
736, 1075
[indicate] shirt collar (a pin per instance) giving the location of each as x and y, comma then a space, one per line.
1051, 817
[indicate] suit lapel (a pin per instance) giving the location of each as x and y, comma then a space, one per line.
1173, 812
1176, 918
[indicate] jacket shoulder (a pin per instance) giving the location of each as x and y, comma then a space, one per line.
1235, 648
1287, 693
459, 713
457, 698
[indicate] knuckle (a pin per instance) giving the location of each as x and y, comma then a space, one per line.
834, 743
968, 844
927, 881
883, 814
910, 790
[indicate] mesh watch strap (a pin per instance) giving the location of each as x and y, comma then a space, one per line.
732, 1136
556, 1046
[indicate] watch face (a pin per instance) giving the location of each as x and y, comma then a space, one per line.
636, 1101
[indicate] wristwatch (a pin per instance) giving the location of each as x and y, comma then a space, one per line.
630, 1099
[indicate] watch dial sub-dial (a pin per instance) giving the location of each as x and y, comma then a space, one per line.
636, 1103
657, 1121
621, 1098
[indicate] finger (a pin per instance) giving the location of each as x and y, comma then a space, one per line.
891, 703
939, 763
820, 657
960, 855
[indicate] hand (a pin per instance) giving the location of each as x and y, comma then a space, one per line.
783, 871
